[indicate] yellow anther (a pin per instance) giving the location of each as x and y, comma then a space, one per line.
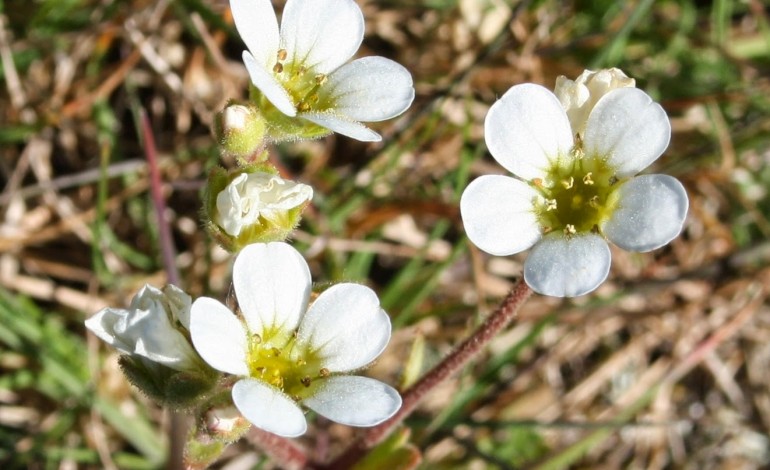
569, 230
301, 362
278, 67
261, 371
587, 179
276, 352
568, 183
321, 78
306, 381
324, 372
538, 182
594, 202
550, 204
282, 54
303, 107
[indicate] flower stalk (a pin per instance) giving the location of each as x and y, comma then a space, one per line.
455, 361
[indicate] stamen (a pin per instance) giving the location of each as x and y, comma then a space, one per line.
276, 352
550, 204
282, 54
321, 78
306, 381
278, 67
324, 372
568, 183
594, 202
587, 179
613, 179
569, 230
538, 182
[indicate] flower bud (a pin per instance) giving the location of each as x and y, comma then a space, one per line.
152, 334
241, 133
579, 97
252, 205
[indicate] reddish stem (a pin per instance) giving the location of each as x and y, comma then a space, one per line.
456, 360
283, 451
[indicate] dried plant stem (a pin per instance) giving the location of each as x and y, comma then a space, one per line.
457, 359
281, 450
177, 427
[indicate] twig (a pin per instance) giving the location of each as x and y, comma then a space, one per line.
281, 450
177, 428
496, 322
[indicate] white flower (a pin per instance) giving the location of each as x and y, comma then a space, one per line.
580, 96
303, 69
253, 196
151, 328
287, 353
570, 195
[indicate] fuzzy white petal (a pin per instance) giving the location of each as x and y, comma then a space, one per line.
369, 89
526, 129
628, 129
218, 336
650, 213
269, 409
346, 327
321, 34
272, 284
355, 401
256, 23
567, 267
498, 215
269, 86
343, 125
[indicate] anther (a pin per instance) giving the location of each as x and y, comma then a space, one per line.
276, 352
256, 338
282, 54
301, 362
587, 179
613, 179
594, 202
550, 204
538, 182
321, 78
303, 107
324, 372
306, 381
278, 67
568, 183
569, 230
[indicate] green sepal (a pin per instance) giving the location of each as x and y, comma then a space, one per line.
178, 390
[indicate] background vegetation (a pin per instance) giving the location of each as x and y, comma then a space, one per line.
664, 366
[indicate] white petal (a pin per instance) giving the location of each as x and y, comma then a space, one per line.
346, 327
369, 89
650, 213
498, 214
322, 34
526, 129
567, 267
256, 23
269, 86
343, 125
218, 336
355, 401
269, 409
627, 128
272, 284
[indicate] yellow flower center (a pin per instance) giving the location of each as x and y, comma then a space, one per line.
301, 83
577, 194
283, 364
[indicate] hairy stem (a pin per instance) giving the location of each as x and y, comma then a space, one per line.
456, 360
282, 451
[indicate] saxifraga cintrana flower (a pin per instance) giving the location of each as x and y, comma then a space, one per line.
287, 354
574, 184
303, 71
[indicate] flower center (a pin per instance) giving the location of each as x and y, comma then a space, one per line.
284, 365
576, 194
301, 83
